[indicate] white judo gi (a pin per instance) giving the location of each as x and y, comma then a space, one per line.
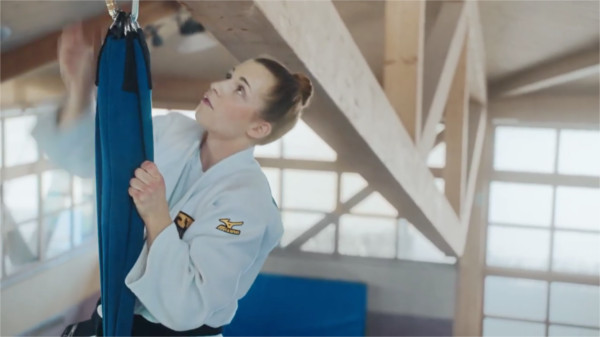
226, 217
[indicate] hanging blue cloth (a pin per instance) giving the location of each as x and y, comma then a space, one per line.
123, 142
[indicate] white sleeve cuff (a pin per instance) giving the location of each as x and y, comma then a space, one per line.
138, 275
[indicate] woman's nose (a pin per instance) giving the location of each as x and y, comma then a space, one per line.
214, 88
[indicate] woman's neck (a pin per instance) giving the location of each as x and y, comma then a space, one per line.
213, 150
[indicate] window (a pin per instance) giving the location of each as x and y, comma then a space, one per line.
540, 233
515, 298
578, 152
575, 304
301, 142
46, 212
525, 149
518, 247
577, 208
520, 204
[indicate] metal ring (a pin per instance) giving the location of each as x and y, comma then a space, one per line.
113, 9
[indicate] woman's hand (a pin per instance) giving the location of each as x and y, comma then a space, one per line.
147, 189
76, 59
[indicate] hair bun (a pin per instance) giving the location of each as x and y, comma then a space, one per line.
305, 87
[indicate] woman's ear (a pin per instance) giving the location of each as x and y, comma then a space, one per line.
259, 129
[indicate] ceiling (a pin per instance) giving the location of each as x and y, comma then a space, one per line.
518, 35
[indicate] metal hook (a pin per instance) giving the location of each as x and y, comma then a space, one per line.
113, 9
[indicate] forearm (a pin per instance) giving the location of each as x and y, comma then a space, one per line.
74, 104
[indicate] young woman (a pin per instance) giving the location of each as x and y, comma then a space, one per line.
207, 207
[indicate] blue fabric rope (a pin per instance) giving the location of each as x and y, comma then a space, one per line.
123, 142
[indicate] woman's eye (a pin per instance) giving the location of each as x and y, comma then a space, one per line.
240, 89
228, 75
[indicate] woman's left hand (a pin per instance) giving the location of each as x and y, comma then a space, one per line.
147, 188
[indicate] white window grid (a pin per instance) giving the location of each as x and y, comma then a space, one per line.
554, 180
37, 168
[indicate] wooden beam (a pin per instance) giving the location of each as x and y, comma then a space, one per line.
302, 164
178, 93
567, 69
403, 63
469, 286
475, 161
545, 179
548, 276
167, 93
456, 132
477, 76
550, 111
442, 52
42, 51
364, 130
439, 137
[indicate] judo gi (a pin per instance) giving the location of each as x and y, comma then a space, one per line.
224, 222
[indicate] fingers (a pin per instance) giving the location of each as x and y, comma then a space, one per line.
137, 184
151, 168
144, 176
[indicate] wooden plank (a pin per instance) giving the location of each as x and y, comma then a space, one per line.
549, 111
474, 163
403, 63
442, 52
456, 133
549, 276
564, 70
546, 179
42, 51
477, 76
167, 93
439, 138
350, 110
469, 288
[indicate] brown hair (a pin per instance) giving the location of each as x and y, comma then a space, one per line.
289, 97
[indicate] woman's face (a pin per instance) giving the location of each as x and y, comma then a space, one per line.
230, 108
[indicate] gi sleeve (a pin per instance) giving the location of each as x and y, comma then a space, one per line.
182, 283
73, 147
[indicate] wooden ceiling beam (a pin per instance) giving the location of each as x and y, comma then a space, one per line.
403, 61
474, 158
42, 51
564, 70
545, 110
167, 93
442, 53
457, 133
477, 77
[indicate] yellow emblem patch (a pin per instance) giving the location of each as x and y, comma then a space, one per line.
183, 221
228, 225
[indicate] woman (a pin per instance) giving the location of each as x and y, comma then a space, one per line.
206, 205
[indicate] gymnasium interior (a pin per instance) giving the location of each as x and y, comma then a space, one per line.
444, 181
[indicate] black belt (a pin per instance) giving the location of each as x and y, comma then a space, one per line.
141, 327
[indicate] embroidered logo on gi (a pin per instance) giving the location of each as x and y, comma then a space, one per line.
227, 226
183, 222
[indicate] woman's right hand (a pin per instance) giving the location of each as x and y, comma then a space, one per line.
76, 59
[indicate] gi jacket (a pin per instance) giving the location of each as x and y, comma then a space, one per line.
224, 222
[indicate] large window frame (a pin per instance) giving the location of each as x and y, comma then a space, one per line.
554, 180
37, 168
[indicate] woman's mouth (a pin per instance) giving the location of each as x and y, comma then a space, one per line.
206, 101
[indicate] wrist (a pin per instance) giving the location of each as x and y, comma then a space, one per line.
157, 223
